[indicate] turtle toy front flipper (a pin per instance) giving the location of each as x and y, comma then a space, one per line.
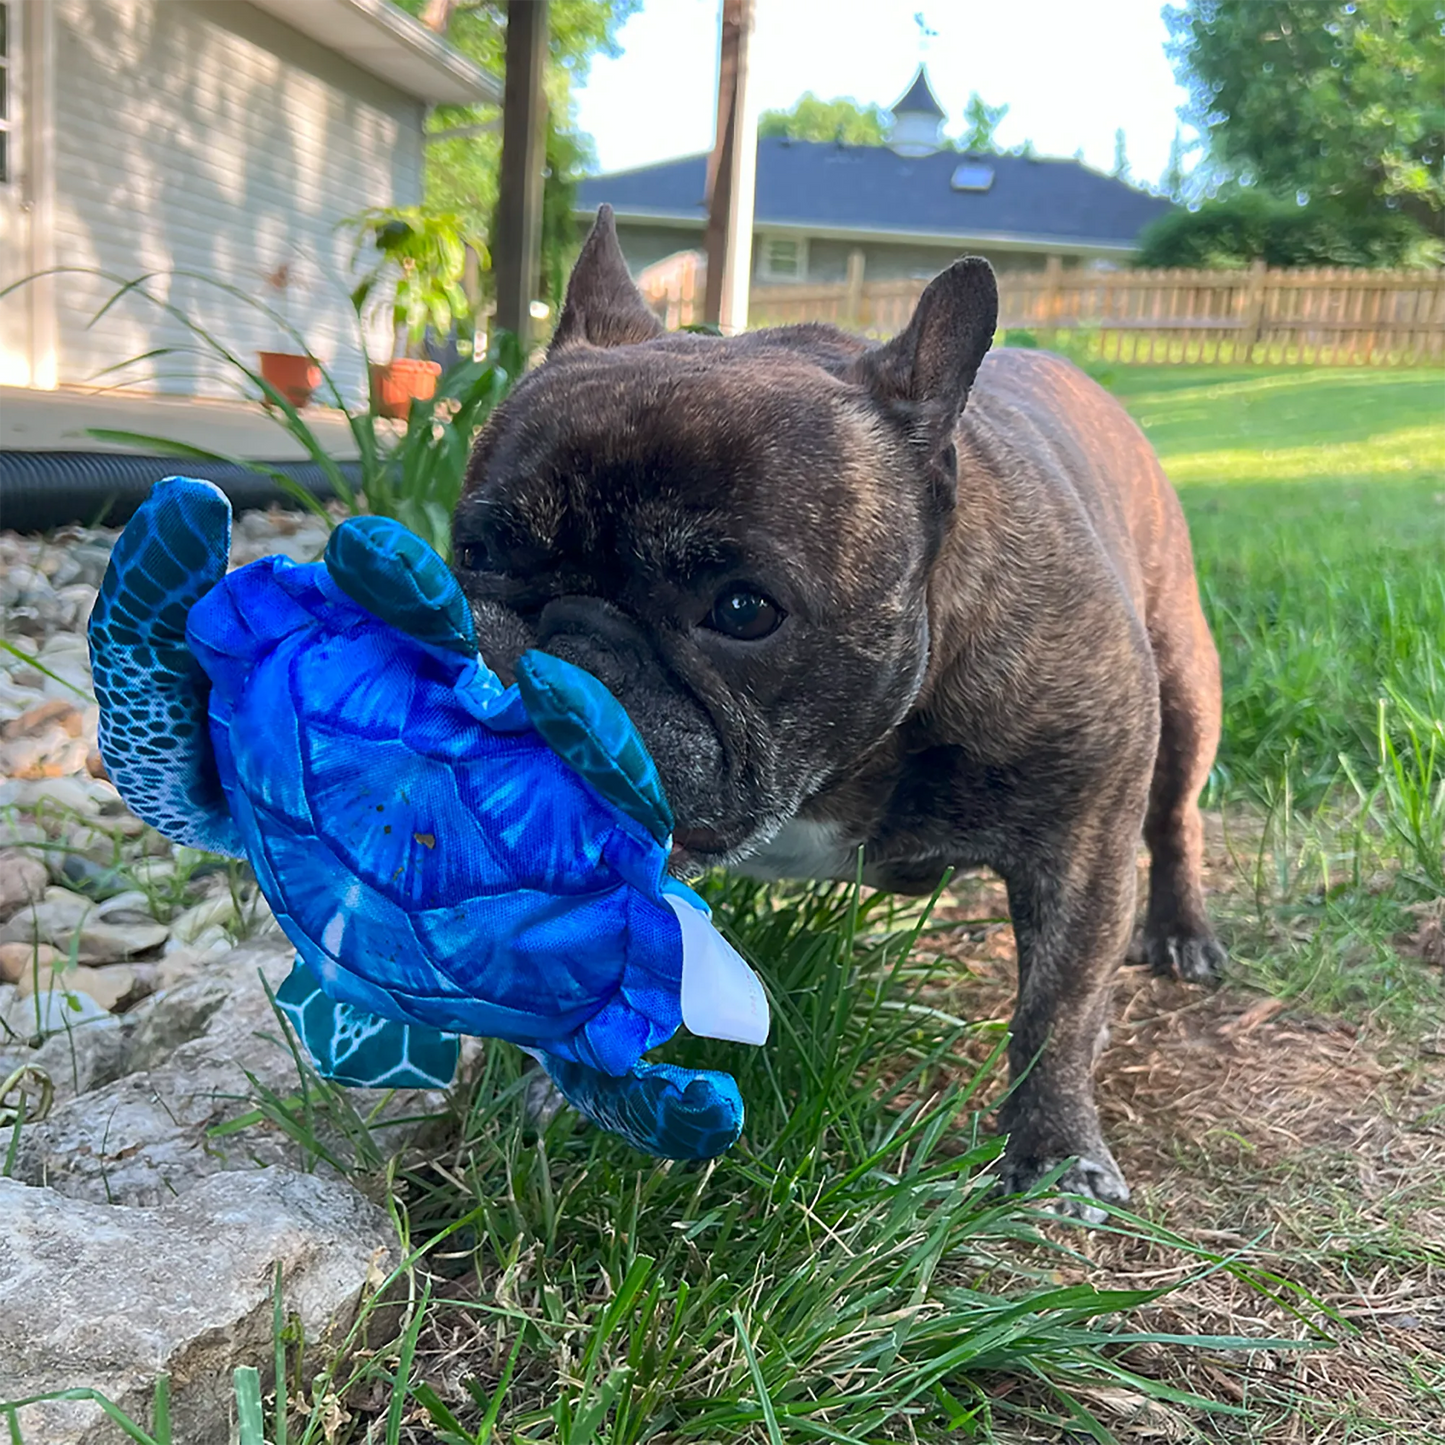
585, 725
151, 688
394, 575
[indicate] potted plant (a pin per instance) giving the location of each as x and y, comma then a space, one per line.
294, 374
422, 256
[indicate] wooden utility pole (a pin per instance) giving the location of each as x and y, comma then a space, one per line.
731, 174
516, 246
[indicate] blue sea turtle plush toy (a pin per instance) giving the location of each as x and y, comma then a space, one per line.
448, 856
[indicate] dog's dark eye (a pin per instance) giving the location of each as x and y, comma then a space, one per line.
746, 614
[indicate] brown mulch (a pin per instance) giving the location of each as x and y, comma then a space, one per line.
1313, 1148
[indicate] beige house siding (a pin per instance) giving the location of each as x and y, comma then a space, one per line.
206, 136
885, 261
644, 245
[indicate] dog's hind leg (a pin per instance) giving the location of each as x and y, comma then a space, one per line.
1177, 937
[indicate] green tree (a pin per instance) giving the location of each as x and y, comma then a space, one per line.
842, 120
1333, 99
980, 125
462, 164
1250, 225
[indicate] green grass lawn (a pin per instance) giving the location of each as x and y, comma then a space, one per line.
1316, 500
842, 1275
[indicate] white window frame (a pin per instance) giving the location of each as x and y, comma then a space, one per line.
765, 268
9, 93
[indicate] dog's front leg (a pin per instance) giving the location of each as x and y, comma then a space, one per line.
1072, 902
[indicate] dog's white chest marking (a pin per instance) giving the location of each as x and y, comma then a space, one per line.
803, 849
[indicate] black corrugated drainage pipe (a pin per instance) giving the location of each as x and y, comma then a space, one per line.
39, 490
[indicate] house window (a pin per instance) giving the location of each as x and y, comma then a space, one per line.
6, 103
784, 258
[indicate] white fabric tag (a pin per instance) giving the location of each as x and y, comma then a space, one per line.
722, 998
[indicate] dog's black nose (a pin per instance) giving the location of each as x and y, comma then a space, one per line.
597, 636
590, 616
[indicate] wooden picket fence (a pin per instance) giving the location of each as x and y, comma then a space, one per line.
1331, 316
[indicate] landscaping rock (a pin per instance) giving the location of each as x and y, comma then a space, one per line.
138, 1133
136, 1096
15, 698
22, 880
75, 603
50, 753
96, 1296
53, 712
105, 932
187, 927
20, 584
179, 964
21, 958
153, 870
20, 833
91, 876
207, 943
107, 986
45, 1014
71, 795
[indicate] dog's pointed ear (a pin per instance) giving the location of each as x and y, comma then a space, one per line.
603, 306
925, 372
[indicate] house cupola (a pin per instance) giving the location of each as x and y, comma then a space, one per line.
917, 119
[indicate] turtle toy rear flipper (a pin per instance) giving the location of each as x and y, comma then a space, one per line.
661, 1109
350, 1046
152, 690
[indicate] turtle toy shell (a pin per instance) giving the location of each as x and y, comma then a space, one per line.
448, 856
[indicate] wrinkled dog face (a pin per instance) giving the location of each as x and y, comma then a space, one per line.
732, 535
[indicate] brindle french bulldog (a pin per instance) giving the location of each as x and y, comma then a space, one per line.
894, 597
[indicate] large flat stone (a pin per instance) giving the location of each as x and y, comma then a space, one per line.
137, 1096
106, 1297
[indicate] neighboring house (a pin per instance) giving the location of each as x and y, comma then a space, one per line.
907, 209
212, 137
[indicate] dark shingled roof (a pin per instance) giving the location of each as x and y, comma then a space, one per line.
920, 98
871, 188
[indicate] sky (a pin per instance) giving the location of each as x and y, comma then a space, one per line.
1071, 71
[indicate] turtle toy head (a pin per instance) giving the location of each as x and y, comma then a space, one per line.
448, 856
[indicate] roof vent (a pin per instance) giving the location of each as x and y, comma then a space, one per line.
972, 176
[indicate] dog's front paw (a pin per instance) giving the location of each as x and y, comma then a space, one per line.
1092, 1176
1194, 955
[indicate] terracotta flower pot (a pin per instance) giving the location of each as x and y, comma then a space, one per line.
295, 377
395, 385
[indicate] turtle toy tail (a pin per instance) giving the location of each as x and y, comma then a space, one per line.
154, 734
